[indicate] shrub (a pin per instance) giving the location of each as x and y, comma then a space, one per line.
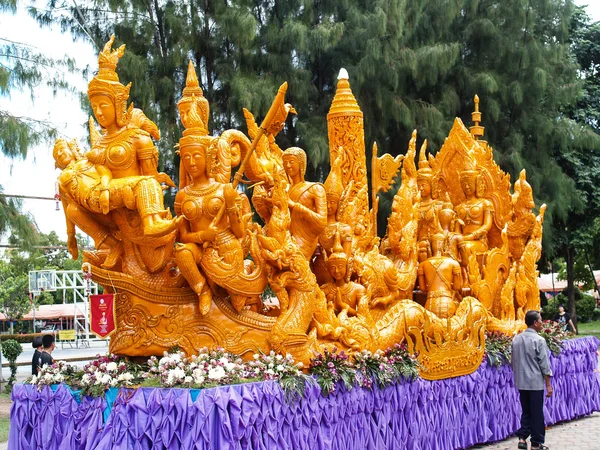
11, 350
596, 314
23, 338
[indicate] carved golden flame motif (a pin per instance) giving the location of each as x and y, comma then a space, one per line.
459, 255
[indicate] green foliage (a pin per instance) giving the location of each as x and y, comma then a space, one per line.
14, 294
21, 338
554, 335
11, 350
498, 348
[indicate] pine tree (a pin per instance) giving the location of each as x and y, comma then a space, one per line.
22, 68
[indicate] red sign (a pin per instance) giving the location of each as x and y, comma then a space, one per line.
102, 314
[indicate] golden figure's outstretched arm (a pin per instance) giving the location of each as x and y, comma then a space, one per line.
233, 214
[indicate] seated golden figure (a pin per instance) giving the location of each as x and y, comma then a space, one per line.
307, 203
428, 223
124, 148
91, 187
346, 297
440, 276
475, 215
208, 238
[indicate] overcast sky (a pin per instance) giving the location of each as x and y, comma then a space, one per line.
36, 175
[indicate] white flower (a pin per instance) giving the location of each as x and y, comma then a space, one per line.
230, 366
256, 356
216, 373
125, 377
279, 357
279, 368
198, 376
34, 379
269, 372
111, 367
188, 379
223, 360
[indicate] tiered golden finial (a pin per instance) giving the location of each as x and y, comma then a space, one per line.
344, 103
193, 93
476, 130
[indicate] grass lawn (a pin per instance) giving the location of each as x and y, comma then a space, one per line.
589, 329
4, 424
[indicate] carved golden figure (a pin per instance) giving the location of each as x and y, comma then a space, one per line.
429, 207
307, 202
91, 187
212, 244
348, 298
475, 214
208, 293
440, 277
124, 148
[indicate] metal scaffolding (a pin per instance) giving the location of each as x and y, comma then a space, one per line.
75, 287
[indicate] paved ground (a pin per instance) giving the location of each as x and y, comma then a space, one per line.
581, 434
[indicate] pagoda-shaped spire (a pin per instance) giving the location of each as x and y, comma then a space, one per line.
476, 130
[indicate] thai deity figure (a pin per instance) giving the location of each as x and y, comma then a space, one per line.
210, 249
87, 188
440, 276
346, 297
429, 207
476, 215
333, 189
523, 219
124, 148
307, 203
448, 220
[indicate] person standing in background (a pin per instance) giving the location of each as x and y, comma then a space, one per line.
37, 354
564, 319
46, 358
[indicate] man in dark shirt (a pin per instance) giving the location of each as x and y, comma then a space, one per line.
37, 354
46, 358
531, 369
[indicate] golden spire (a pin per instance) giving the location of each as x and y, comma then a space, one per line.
192, 87
108, 60
192, 93
344, 103
476, 129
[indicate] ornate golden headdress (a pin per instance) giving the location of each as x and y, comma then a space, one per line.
300, 154
106, 82
196, 134
193, 92
470, 171
338, 253
424, 173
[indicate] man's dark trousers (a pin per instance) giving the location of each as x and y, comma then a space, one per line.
532, 418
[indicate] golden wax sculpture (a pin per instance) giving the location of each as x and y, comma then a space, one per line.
459, 255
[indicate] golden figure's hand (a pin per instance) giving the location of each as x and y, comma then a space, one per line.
164, 178
209, 234
105, 201
72, 246
230, 194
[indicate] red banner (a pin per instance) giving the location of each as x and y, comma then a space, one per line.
102, 316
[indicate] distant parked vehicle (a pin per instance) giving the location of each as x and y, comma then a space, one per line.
50, 329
